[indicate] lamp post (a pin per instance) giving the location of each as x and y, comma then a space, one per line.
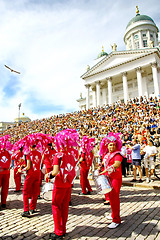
19, 107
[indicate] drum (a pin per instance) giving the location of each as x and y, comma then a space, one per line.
47, 191
103, 184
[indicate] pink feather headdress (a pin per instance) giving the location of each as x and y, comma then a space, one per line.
87, 144
41, 140
5, 143
112, 137
67, 138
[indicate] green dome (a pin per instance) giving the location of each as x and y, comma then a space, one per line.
139, 17
102, 54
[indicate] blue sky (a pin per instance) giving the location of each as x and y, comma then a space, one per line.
51, 43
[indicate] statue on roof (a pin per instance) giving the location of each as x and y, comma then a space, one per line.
88, 67
150, 44
114, 47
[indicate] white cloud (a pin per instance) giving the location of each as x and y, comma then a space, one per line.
51, 43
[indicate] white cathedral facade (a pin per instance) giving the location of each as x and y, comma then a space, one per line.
123, 75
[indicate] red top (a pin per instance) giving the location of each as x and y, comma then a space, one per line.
35, 157
48, 157
18, 159
67, 169
88, 159
5, 161
110, 159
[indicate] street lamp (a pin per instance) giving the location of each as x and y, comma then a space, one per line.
19, 107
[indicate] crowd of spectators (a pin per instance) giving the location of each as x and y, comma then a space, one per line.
139, 118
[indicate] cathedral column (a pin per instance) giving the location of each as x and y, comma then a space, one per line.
125, 87
140, 40
132, 41
87, 96
155, 40
94, 97
148, 36
109, 91
104, 95
139, 81
155, 79
98, 93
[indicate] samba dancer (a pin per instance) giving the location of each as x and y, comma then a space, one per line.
32, 181
5, 163
112, 164
19, 163
64, 172
47, 159
86, 159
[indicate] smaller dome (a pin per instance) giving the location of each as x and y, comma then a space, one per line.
102, 53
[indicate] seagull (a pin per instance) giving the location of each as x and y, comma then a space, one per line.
11, 69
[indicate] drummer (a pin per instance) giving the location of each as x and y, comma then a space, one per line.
112, 164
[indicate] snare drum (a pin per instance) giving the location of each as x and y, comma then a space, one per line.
47, 191
103, 184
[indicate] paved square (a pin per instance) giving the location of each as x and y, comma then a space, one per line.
140, 213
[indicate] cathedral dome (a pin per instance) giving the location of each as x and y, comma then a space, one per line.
141, 32
139, 17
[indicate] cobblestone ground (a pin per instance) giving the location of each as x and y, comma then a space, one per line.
140, 213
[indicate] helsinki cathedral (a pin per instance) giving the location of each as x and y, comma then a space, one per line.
123, 75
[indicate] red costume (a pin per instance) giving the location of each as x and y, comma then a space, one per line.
32, 181
116, 181
5, 162
48, 160
18, 163
62, 190
85, 166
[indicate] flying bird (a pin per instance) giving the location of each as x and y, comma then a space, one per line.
11, 69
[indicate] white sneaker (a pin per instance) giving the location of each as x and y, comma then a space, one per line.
147, 180
108, 216
113, 225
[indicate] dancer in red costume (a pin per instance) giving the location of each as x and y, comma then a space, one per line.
47, 159
86, 159
5, 163
64, 172
112, 164
19, 163
32, 181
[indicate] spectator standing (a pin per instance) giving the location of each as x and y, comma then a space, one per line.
150, 152
136, 160
124, 161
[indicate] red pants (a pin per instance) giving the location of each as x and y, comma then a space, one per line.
4, 184
31, 188
84, 181
107, 196
60, 206
17, 179
114, 199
